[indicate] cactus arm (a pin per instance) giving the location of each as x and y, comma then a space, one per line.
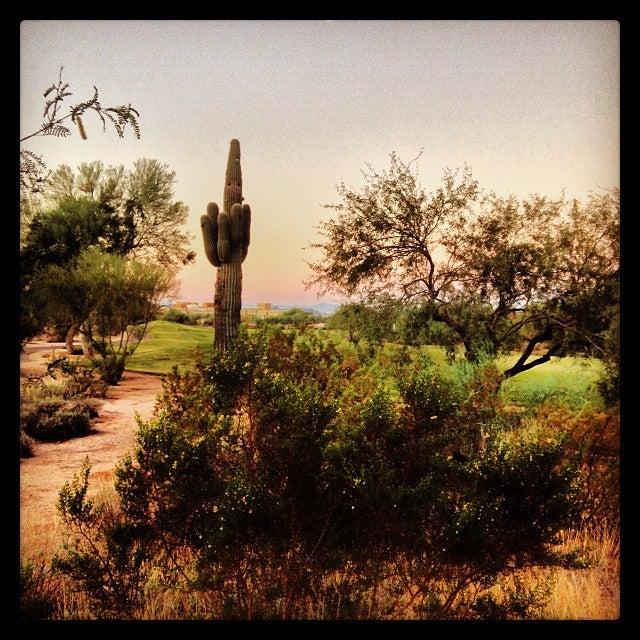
209, 226
246, 229
236, 225
233, 178
224, 237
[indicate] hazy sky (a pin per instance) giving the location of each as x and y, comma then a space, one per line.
530, 106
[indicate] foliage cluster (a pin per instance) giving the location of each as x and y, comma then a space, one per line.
294, 317
540, 276
57, 412
277, 481
192, 319
99, 249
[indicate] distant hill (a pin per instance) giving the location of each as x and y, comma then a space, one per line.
322, 309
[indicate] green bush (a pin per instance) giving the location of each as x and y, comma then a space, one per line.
280, 489
62, 425
27, 444
176, 315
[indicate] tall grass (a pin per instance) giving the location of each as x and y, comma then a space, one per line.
578, 594
594, 593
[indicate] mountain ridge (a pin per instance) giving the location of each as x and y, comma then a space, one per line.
321, 308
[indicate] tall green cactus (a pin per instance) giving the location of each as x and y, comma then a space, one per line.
226, 242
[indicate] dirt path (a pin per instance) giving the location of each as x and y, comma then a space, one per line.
54, 464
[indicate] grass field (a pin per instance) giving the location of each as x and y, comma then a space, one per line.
168, 344
570, 380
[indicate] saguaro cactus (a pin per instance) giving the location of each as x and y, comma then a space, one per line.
226, 242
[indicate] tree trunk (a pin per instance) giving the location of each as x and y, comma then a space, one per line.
87, 347
73, 330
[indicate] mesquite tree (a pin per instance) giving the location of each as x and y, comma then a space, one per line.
226, 242
538, 276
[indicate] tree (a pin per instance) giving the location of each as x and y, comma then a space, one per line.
130, 214
109, 298
373, 322
56, 237
143, 220
33, 176
502, 274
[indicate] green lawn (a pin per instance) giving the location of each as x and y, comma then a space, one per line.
168, 344
569, 380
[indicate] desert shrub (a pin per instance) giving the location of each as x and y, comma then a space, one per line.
107, 566
61, 425
81, 404
38, 593
26, 444
50, 418
80, 377
38, 409
112, 367
182, 317
264, 483
176, 315
595, 435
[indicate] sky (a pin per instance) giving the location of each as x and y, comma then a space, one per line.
530, 106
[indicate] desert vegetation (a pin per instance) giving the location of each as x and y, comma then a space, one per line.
447, 449
300, 475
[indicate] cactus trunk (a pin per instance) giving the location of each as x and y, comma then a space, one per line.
226, 304
226, 242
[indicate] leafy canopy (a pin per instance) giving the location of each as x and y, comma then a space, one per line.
500, 272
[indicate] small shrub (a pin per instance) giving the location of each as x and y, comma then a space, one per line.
90, 406
38, 598
112, 368
61, 425
37, 409
80, 377
26, 445
176, 315
51, 418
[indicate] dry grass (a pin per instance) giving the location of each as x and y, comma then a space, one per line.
580, 594
39, 538
594, 593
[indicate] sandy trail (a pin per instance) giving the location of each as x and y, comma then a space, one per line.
54, 464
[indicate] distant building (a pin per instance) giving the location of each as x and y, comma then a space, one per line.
248, 315
261, 310
193, 307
